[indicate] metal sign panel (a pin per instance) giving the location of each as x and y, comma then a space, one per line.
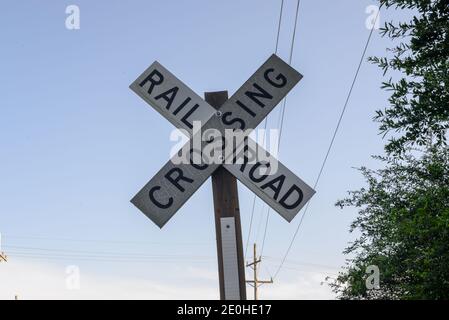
230, 263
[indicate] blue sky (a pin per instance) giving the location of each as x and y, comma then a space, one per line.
77, 143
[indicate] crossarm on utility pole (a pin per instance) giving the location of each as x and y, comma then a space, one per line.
253, 263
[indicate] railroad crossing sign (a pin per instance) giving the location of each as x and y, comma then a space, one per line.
176, 182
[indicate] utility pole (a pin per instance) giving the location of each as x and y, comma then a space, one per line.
231, 264
255, 283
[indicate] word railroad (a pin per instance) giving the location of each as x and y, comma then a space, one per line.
227, 141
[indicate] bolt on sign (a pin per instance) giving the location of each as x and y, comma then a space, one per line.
176, 182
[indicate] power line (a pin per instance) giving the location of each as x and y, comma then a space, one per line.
302, 270
265, 126
27, 250
265, 231
303, 263
52, 253
103, 240
98, 259
292, 46
282, 112
279, 26
250, 224
330, 144
64, 254
44, 256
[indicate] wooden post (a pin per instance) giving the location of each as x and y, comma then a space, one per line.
231, 266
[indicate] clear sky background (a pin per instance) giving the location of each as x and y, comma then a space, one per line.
76, 143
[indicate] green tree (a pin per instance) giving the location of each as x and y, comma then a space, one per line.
403, 217
419, 101
403, 222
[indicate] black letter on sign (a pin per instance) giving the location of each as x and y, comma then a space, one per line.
272, 186
248, 110
289, 192
168, 96
280, 76
182, 105
157, 203
254, 168
262, 94
233, 120
187, 115
153, 81
175, 181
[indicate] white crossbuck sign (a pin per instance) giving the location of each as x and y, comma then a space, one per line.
175, 183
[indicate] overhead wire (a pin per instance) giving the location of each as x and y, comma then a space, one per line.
362, 58
45, 238
282, 114
64, 251
265, 127
104, 259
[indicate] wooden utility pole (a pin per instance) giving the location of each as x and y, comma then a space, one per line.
255, 283
231, 266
